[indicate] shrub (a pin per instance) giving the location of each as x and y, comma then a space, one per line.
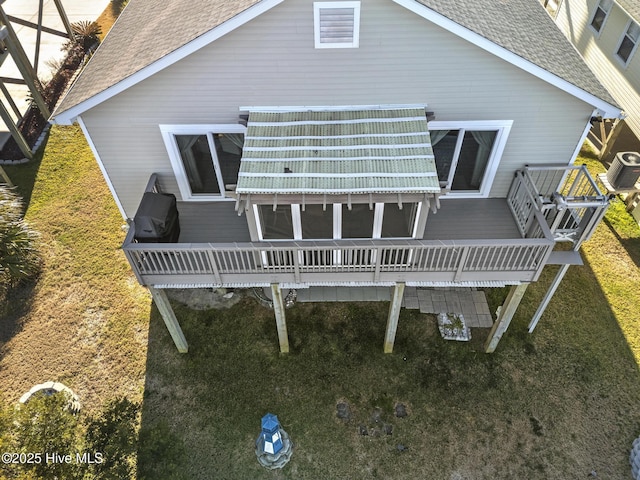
18, 256
86, 33
46, 425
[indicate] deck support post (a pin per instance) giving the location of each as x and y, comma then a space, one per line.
547, 297
504, 317
164, 307
281, 321
609, 141
392, 320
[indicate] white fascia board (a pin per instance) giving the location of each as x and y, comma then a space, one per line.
606, 109
69, 116
329, 108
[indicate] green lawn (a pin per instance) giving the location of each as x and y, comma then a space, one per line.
557, 404
85, 321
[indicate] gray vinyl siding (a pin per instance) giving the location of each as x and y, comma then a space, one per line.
402, 59
599, 51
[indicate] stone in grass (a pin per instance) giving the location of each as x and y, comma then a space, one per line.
362, 430
388, 428
376, 416
401, 410
453, 327
343, 411
401, 448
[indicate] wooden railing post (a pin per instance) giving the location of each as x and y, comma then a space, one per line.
378, 265
214, 267
462, 260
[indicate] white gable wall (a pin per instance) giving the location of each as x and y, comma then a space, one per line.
402, 59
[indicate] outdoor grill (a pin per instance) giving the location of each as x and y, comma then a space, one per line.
156, 220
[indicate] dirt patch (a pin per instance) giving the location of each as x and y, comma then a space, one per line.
206, 298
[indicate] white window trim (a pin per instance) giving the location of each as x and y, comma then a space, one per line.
168, 136
502, 128
604, 22
317, 6
633, 51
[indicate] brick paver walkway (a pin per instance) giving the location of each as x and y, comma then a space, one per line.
471, 303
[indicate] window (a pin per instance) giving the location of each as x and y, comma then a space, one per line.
276, 225
336, 24
629, 42
336, 221
467, 154
205, 158
600, 15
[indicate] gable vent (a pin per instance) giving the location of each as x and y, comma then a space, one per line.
336, 24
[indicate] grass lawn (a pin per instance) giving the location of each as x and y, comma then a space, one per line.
85, 321
558, 404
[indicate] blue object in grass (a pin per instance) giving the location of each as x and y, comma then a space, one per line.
270, 437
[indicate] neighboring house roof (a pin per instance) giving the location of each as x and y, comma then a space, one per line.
150, 35
356, 151
632, 7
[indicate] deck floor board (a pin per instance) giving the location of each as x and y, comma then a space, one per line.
470, 219
457, 219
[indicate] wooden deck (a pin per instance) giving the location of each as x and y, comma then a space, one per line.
457, 219
212, 222
471, 219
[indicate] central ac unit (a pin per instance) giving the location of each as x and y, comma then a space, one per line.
624, 170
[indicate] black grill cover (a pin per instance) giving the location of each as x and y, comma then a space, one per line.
157, 218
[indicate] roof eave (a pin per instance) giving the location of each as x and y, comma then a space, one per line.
68, 116
605, 109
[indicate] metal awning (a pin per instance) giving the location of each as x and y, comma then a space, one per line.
337, 152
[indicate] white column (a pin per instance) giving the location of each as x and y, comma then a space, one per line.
281, 321
170, 320
504, 317
392, 321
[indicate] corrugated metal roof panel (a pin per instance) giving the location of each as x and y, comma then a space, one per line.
333, 152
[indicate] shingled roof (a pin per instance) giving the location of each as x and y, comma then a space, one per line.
145, 32
149, 30
632, 7
524, 28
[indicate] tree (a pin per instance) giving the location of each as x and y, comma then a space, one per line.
113, 434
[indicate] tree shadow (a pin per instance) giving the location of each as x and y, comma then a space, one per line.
569, 382
631, 245
14, 309
117, 6
24, 176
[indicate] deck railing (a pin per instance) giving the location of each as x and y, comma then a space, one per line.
364, 261
568, 197
348, 261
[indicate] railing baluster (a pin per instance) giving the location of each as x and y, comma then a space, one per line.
236, 263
